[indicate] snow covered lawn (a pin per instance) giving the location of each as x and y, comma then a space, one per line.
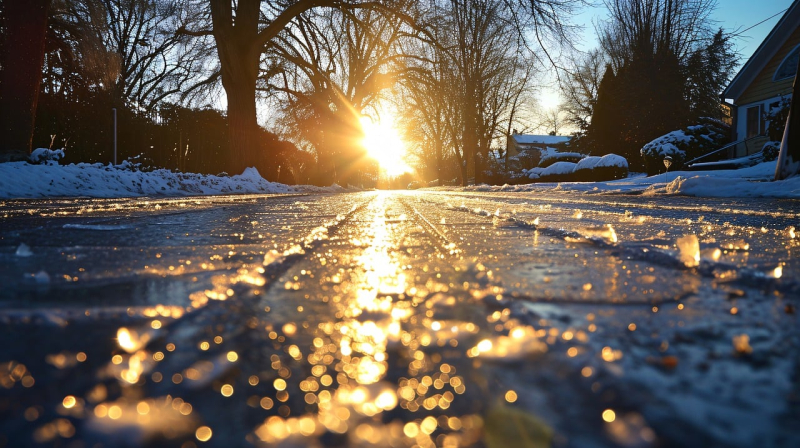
755, 181
24, 180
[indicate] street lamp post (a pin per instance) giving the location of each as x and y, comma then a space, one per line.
667, 164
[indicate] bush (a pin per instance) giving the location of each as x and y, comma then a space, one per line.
776, 119
46, 156
557, 172
596, 169
685, 144
523, 161
550, 159
588, 169
771, 150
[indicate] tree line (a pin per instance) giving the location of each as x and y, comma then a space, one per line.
661, 65
458, 74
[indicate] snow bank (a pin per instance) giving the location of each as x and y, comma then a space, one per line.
755, 181
25, 180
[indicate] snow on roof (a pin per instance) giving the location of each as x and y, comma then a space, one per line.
527, 139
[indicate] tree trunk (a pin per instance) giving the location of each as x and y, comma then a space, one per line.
239, 46
22, 59
239, 53
242, 124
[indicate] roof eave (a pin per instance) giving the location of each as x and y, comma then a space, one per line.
764, 53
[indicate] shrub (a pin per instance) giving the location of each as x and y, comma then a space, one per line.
596, 169
523, 161
776, 119
771, 150
556, 157
46, 156
588, 169
557, 172
685, 144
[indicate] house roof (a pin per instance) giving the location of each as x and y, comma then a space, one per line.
765, 52
527, 139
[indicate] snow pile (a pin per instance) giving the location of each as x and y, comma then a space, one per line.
719, 185
25, 180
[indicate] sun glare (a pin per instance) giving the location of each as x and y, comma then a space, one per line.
549, 99
383, 143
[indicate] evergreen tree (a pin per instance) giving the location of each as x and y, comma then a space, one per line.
603, 132
708, 72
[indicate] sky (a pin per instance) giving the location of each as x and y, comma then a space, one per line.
731, 15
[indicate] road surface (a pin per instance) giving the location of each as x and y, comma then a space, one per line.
434, 318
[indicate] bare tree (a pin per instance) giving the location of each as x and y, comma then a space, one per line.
655, 27
155, 61
471, 81
129, 48
427, 103
579, 88
328, 71
244, 29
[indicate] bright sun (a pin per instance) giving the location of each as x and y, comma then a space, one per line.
384, 144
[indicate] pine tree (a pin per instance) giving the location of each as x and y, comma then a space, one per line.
708, 72
603, 132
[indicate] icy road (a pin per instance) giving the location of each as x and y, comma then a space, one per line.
400, 319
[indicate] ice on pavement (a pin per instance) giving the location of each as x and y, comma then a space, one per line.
23, 250
95, 227
689, 250
366, 318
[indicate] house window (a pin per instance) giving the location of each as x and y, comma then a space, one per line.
754, 121
788, 67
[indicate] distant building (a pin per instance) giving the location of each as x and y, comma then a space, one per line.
763, 82
534, 145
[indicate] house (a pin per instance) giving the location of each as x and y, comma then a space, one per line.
533, 145
763, 82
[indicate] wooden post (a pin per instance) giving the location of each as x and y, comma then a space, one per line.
788, 164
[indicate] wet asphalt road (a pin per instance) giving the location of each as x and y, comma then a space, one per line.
400, 319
